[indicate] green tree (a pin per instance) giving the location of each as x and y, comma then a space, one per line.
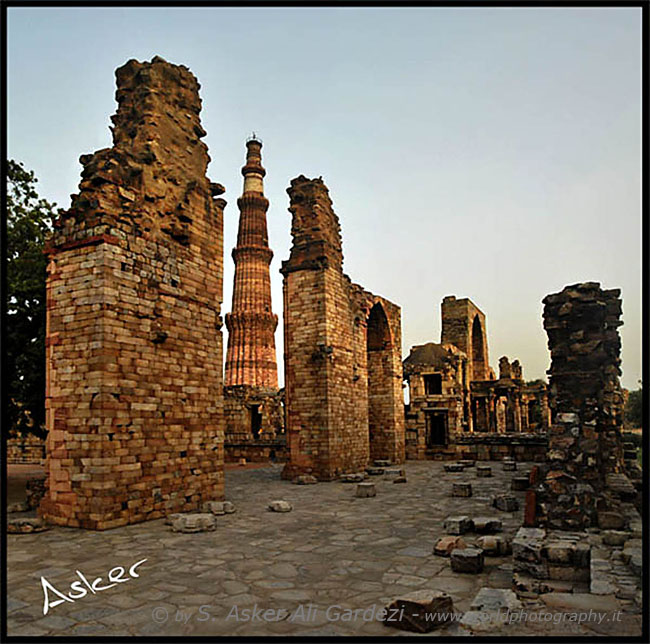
634, 408
29, 219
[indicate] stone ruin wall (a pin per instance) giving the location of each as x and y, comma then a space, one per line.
457, 325
25, 448
134, 398
585, 445
325, 340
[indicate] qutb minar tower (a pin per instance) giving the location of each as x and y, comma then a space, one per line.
250, 359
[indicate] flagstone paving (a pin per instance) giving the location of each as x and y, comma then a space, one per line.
333, 552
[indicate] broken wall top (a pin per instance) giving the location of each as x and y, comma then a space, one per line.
152, 181
315, 228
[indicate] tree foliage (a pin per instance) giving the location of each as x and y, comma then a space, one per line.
29, 219
634, 408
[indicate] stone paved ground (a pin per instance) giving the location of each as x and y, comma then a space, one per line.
331, 550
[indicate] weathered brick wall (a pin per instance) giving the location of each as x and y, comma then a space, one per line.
26, 449
134, 397
329, 382
585, 443
459, 328
259, 452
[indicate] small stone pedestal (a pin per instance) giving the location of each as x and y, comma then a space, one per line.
365, 490
458, 525
461, 489
467, 560
483, 471
520, 483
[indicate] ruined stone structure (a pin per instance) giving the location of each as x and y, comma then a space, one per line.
509, 404
25, 448
253, 405
134, 397
343, 369
585, 479
457, 405
438, 407
463, 325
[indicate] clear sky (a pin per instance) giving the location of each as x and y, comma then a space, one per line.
487, 153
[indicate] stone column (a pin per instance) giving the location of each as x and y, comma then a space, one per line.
585, 438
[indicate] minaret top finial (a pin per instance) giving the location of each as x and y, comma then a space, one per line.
253, 137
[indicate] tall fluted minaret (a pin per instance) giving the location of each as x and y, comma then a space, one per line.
251, 325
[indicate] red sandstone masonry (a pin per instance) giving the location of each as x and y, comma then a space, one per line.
134, 399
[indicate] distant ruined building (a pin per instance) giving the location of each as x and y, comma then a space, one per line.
457, 406
253, 405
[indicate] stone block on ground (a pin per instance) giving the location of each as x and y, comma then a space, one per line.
506, 502
26, 525
458, 525
381, 463
194, 522
419, 612
305, 479
170, 518
375, 471
365, 490
494, 545
487, 525
483, 471
469, 560
461, 489
520, 483
218, 508
509, 466
445, 545
356, 477
399, 479
453, 467
487, 609
280, 506
466, 462
21, 506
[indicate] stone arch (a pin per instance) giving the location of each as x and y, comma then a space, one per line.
379, 347
478, 349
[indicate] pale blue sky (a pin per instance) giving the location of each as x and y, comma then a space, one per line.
488, 153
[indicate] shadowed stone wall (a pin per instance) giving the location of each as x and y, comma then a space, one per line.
134, 395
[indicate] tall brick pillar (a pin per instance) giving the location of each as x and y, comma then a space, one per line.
342, 344
585, 447
250, 359
134, 400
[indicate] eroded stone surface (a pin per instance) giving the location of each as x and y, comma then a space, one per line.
280, 506
365, 490
458, 525
445, 545
194, 522
26, 525
468, 560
